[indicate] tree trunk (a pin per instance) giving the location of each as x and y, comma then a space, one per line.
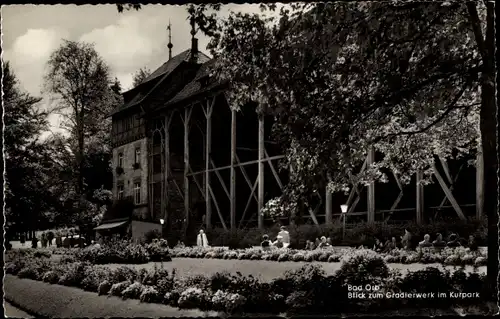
489, 137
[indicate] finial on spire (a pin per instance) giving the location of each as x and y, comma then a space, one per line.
169, 45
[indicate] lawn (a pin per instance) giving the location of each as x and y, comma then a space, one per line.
263, 269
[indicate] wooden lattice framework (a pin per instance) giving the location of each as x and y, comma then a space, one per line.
257, 191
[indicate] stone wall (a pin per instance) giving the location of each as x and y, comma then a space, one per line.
131, 175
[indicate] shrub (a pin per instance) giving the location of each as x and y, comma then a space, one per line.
118, 252
51, 277
193, 298
480, 261
150, 294
151, 235
93, 277
158, 250
133, 291
362, 265
104, 287
171, 298
28, 272
13, 268
283, 257
117, 289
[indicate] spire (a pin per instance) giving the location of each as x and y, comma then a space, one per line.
169, 45
194, 41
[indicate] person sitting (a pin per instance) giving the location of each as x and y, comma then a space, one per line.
379, 246
426, 242
473, 243
279, 242
329, 241
453, 242
180, 244
285, 236
323, 243
266, 243
310, 245
201, 239
439, 242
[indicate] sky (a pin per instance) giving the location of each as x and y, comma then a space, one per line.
127, 41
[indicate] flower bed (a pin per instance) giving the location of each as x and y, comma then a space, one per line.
306, 290
448, 256
122, 252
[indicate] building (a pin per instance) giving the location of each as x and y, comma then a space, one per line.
181, 153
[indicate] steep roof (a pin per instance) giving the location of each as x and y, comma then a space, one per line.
149, 85
196, 86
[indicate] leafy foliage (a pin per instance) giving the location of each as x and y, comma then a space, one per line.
27, 157
140, 76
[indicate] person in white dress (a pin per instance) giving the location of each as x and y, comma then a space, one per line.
285, 236
201, 240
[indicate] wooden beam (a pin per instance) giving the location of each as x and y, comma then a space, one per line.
232, 188
260, 218
446, 169
479, 184
208, 156
371, 187
452, 185
398, 199
216, 169
420, 197
448, 193
167, 165
217, 207
249, 200
273, 170
221, 180
354, 189
247, 179
187, 116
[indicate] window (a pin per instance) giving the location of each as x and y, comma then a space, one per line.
120, 191
137, 156
120, 160
137, 193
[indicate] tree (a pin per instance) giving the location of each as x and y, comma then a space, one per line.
78, 80
410, 79
140, 76
128, 6
26, 157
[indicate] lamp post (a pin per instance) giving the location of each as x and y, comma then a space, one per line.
343, 208
162, 221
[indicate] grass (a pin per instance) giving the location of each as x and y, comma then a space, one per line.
55, 301
263, 269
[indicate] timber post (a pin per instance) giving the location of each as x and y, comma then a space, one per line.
167, 165
232, 188
328, 206
371, 187
420, 197
260, 206
187, 115
208, 156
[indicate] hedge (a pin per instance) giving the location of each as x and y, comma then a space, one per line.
306, 290
449, 256
363, 234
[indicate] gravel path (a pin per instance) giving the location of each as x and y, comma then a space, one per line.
14, 312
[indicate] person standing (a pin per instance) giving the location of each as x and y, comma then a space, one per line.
201, 240
50, 237
22, 239
285, 236
44, 240
266, 243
